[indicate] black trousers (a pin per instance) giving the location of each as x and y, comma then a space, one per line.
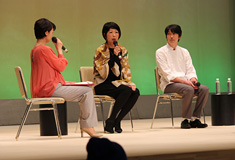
125, 99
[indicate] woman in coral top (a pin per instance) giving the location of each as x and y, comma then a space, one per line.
47, 80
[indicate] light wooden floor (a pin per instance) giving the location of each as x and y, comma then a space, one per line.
143, 142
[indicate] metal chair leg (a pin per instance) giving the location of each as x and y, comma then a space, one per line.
110, 109
131, 121
172, 118
102, 111
204, 116
155, 110
57, 120
23, 120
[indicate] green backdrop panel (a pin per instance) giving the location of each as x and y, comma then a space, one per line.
208, 34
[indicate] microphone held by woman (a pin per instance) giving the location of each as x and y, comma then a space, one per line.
54, 39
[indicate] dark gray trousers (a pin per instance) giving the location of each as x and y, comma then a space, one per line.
187, 93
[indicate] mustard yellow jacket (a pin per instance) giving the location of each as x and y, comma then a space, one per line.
101, 67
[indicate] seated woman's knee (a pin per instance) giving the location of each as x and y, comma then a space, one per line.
137, 92
125, 89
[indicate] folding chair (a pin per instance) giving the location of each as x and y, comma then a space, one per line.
168, 98
36, 101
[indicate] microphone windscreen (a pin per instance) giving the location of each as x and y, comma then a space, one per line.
115, 43
54, 39
197, 84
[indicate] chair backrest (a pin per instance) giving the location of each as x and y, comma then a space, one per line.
158, 77
86, 74
21, 82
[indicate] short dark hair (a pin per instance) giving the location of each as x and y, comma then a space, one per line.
174, 28
107, 27
41, 26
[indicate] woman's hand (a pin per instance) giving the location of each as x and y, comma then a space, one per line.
133, 87
117, 50
58, 46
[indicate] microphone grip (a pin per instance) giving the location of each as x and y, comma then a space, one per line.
54, 39
120, 53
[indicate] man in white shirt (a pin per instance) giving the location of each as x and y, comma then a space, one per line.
178, 75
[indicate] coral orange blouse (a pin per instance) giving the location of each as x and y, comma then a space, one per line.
45, 71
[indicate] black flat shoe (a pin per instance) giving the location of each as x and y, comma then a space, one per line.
118, 128
197, 124
185, 124
109, 124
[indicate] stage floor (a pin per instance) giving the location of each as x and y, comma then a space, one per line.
143, 141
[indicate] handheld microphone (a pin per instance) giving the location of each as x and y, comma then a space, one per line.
54, 39
119, 54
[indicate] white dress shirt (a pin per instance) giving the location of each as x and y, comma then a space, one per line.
174, 63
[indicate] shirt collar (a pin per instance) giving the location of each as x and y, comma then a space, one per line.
169, 47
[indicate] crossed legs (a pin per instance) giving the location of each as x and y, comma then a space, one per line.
84, 96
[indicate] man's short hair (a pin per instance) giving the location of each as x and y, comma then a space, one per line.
174, 28
110, 25
41, 26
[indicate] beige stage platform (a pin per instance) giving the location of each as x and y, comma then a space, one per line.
161, 142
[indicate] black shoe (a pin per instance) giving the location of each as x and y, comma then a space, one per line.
118, 128
197, 124
109, 124
185, 124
